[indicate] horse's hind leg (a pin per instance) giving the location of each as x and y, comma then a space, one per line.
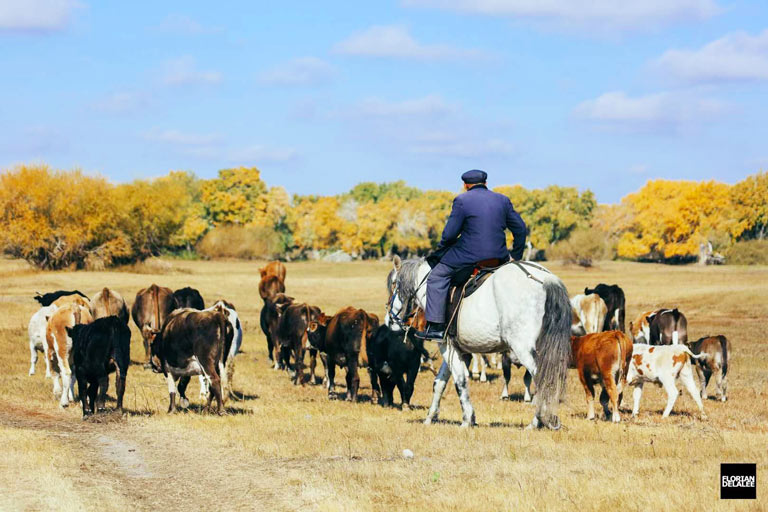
441, 379
460, 375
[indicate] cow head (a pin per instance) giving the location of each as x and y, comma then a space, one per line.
263, 272
316, 331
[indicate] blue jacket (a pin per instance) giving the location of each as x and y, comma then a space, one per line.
475, 230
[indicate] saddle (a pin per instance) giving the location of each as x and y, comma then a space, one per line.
464, 283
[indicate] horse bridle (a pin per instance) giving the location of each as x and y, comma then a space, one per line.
401, 322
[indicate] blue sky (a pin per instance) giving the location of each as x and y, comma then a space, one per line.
596, 94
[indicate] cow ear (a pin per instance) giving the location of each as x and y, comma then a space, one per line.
280, 306
586, 290
323, 319
397, 262
263, 272
312, 327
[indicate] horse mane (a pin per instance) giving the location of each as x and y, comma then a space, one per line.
408, 275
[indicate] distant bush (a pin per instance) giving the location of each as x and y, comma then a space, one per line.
583, 247
753, 252
243, 242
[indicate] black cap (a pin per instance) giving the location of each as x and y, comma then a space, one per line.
474, 176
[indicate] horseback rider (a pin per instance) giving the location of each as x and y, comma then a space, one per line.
473, 235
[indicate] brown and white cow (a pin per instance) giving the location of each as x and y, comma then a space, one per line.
343, 338
603, 358
292, 338
109, 303
149, 311
72, 299
714, 353
192, 342
38, 325
662, 365
273, 268
60, 348
640, 327
668, 327
591, 311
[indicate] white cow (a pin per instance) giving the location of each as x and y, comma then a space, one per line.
37, 343
591, 310
662, 365
237, 340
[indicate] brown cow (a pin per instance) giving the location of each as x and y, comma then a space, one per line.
294, 323
151, 308
640, 328
273, 268
343, 338
109, 303
603, 358
60, 347
668, 327
269, 318
269, 286
714, 353
72, 299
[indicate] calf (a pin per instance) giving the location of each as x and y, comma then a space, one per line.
269, 286
662, 365
613, 296
668, 327
150, 310
192, 342
60, 348
237, 340
99, 349
48, 298
37, 327
72, 299
390, 355
189, 298
577, 328
640, 328
109, 303
713, 352
273, 268
343, 338
602, 358
292, 334
591, 311
508, 359
269, 318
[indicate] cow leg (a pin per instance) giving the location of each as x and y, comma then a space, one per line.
353, 378
47, 360
387, 390
483, 368
506, 370
66, 384
413, 372
324, 360
55, 373
527, 380
146, 349
589, 390
32, 357
438, 387
672, 394
120, 375
203, 387
705, 382
298, 377
637, 393
722, 383
686, 375
103, 388
171, 392
331, 372
182, 388
375, 390
475, 366
230, 376
610, 395
312, 366
82, 390
93, 394
224, 382
216, 392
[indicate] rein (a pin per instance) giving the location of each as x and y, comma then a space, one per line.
400, 322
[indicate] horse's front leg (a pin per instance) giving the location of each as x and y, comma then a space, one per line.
453, 362
441, 379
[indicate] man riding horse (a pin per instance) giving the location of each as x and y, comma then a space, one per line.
473, 236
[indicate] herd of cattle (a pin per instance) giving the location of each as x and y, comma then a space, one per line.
86, 339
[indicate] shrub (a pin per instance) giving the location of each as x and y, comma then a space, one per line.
582, 247
753, 252
243, 242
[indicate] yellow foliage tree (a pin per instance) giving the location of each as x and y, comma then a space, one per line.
750, 206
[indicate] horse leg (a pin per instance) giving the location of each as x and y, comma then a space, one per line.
441, 379
483, 368
527, 379
460, 375
506, 368
475, 366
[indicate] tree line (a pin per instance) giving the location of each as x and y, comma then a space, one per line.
68, 219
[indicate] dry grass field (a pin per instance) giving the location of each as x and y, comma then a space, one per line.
288, 448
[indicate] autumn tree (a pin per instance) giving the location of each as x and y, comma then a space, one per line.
750, 207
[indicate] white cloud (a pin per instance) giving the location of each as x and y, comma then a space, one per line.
183, 71
736, 56
427, 106
593, 13
395, 41
663, 108
180, 138
122, 102
36, 15
300, 71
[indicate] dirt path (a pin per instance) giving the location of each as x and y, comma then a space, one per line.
150, 468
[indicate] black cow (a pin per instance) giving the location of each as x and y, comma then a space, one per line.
269, 319
193, 342
100, 348
292, 338
392, 355
668, 327
613, 296
48, 298
189, 298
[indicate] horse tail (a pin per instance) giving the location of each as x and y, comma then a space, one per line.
553, 352
723, 345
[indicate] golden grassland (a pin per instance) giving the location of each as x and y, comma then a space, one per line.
284, 447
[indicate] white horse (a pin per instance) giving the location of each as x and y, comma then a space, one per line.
522, 307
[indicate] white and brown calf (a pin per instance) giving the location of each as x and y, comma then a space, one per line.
60, 348
37, 326
714, 353
640, 328
591, 310
662, 365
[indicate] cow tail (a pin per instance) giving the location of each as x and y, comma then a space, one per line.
155, 296
363, 356
724, 346
223, 336
676, 333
